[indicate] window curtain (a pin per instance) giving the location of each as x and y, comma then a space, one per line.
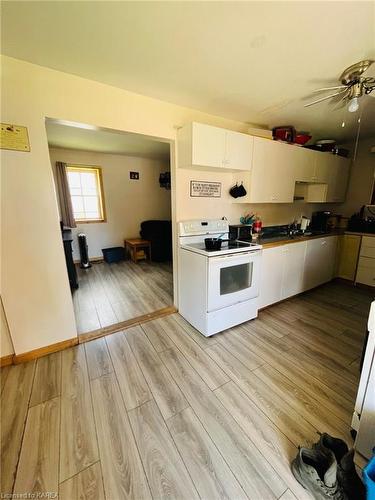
65, 201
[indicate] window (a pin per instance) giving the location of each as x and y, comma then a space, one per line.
86, 191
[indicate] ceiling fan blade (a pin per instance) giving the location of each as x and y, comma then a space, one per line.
330, 88
324, 98
341, 100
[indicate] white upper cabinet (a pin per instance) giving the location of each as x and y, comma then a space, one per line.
238, 150
273, 172
207, 146
305, 164
269, 169
338, 179
201, 145
322, 165
311, 166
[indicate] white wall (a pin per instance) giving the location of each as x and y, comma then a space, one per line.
35, 286
128, 202
6, 346
361, 179
270, 213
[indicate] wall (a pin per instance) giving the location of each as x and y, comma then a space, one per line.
6, 346
193, 208
361, 179
127, 202
35, 286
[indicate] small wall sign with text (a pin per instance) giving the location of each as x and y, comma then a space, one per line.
205, 189
14, 137
134, 176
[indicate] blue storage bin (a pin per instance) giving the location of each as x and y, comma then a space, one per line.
114, 254
369, 479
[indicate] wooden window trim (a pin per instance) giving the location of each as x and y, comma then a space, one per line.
99, 177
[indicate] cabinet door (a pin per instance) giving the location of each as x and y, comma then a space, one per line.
366, 271
238, 150
319, 261
348, 256
273, 173
341, 180
271, 276
338, 179
208, 146
304, 164
323, 163
293, 269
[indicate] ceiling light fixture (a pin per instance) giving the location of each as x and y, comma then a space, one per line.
353, 85
353, 105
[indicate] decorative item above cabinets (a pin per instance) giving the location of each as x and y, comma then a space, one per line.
206, 147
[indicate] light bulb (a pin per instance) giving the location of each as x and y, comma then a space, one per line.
353, 105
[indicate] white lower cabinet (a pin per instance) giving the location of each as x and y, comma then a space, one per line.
282, 272
319, 261
293, 272
271, 276
293, 268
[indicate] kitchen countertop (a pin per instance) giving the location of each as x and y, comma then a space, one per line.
354, 233
285, 240
277, 241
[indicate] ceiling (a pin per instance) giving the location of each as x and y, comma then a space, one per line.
84, 138
256, 62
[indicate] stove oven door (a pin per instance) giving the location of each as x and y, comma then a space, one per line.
233, 278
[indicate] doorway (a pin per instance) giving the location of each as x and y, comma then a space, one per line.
120, 241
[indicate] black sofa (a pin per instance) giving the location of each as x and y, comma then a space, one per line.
159, 232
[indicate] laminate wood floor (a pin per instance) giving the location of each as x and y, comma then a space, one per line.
159, 411
111, 293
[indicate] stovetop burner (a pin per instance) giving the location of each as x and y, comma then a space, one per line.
226, 245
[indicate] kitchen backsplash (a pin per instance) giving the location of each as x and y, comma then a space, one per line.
196, 208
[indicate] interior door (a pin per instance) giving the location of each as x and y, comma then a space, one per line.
232, 278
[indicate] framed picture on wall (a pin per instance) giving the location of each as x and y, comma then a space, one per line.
205, 189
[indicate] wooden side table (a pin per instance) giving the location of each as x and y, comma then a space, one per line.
133, 246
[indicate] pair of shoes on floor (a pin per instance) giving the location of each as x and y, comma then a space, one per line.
327, 470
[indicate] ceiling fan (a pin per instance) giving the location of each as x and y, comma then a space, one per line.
353, 86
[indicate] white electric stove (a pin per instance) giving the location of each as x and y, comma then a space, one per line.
218, 289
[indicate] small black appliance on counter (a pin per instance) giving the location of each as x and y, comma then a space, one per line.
240, 232
364, 221
319, 221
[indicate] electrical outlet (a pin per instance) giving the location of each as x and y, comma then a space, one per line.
134, 176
